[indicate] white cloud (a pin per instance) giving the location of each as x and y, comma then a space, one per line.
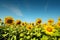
14, 9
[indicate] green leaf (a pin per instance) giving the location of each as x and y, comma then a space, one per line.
4, 35
44, 38
31, 33
38, 34
28, 37
58, 38
8, 39
21, 39
14, 37
21, 35
34, 39
56, 33
28, 33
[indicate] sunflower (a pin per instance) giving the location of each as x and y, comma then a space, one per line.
18, 22
44, 25
32, 24
29, 27
50, 21
58, 24
49, 30
58, 18
9, 20
38, 21
24, 23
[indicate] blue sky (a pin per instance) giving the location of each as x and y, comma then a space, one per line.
29, 10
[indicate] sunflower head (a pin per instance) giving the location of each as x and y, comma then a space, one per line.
9, 20
58, 18
58, 24
32, 24
24, 23
44, 25
38, 21
18, 22
29, 27
49, 29
51, 21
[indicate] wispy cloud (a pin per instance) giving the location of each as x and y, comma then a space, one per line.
14, 9
46, 6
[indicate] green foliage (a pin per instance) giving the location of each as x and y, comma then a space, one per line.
20, 33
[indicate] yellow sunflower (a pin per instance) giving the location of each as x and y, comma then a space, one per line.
44, 25
49, 30
50, 21
18, 22
32, 24
29, 27
24, 23
38, 21
58, 24
58, 18
9, 21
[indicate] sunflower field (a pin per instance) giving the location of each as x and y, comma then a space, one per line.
18, 30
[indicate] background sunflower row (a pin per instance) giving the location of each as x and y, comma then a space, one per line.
18, 30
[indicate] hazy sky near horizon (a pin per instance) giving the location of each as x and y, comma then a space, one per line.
29, 10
